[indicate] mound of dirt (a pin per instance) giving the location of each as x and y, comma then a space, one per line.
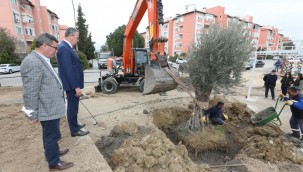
144, 149
238, 137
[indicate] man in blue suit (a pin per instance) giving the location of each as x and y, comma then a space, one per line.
71, 74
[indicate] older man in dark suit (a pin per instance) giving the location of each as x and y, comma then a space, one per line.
71, 74
43, 97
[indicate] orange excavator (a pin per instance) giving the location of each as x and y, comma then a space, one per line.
147, 68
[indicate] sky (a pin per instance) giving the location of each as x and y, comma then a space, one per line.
104, 16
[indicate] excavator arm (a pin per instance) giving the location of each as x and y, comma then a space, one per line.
156, 78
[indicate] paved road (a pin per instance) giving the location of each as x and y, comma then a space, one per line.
90, 75
14, 79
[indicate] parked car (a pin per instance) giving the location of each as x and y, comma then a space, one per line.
180, 61
9, 68
169, 62
276, 58
260, 63
247, 66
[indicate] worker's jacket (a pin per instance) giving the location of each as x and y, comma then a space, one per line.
214, 112
297, 107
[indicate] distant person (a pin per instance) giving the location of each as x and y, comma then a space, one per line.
278, 65
286, 82
43, 98
215, 114
270, 83
298, 83
114, 65
295, 101
72, 76
110, 63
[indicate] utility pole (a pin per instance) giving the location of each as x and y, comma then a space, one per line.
74, 13
74, 19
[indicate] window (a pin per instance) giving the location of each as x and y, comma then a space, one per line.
27, 18
16, 17
29, 31
200, 18
249, 25
181, 27
180, 19
209, 17
54, 27
19, 30
199, 26
13, 1
178, 44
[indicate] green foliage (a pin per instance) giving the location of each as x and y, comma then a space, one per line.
216, 60
289, 45
183, 55
54, 62
103, 48
83, 60
114, 40
85, 44
4, 58
33, 45
174, 58
7, 46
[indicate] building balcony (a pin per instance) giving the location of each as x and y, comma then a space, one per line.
208, 22
29, 38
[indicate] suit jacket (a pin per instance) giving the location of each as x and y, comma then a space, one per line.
70, 67
42, 90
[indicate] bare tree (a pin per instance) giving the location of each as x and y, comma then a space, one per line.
216, 60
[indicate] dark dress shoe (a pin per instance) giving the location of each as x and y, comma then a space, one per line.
81, 125
62, 165
80, 133
62, 153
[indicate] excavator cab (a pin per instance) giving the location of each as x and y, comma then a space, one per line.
156, 79
141, 60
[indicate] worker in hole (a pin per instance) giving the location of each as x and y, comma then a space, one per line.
215, 114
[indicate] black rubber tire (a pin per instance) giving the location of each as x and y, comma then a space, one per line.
10, 71
141, 87
109, 86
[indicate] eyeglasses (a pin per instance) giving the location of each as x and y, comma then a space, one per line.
53, 47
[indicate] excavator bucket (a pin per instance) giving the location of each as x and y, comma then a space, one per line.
158, 80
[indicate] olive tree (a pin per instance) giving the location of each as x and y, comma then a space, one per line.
216, 60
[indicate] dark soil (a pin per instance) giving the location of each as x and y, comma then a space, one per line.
269, 112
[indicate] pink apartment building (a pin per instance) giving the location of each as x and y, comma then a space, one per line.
184, 29
25, 19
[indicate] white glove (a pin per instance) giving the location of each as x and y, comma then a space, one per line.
289, 102
30, 114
